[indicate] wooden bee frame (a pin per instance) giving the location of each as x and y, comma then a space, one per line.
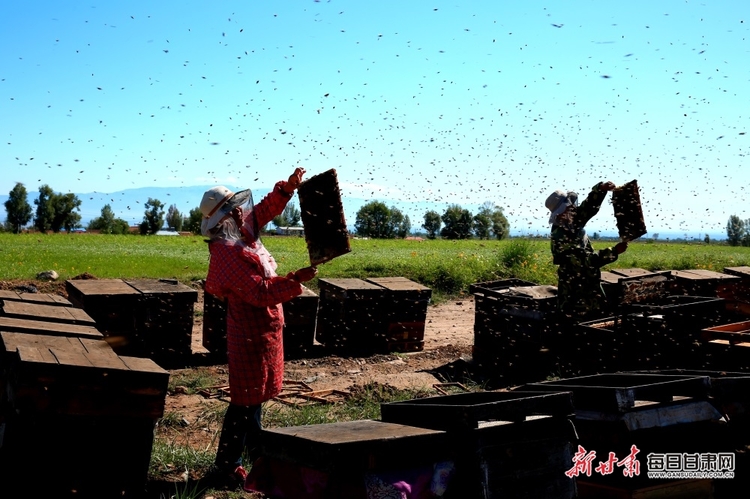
322, 216
627, 203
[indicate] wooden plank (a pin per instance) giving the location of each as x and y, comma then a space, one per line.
81, 317
732, 337
49, 328
100, 287
7, 294
51, 313
610, 277
25, 310
71, 356
164, 286
42, 298
701, 274
142, 364
727, 343
45, 298
397, 284
10, 341
352, 432
37, 355
710, 274
349, 284
633, 272
99, 356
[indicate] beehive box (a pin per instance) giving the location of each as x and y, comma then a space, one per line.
405, 305
518, 313
634, 285
144, 318
338, 460
68, 332
76, 394
728, 345
514, 328
110, 302
730, 392
655, 413
508, 444
504, 362
84, 450
737, 295
80, 376
322, 214
300, 317
164, 318
626, 201
664, 333
620, 392
701, 282
513, 310
469, 411
351, 315
597, 346
215, 326
682, 314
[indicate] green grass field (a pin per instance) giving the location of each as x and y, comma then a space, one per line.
448, 267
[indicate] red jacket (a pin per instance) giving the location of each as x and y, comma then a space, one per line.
255, 318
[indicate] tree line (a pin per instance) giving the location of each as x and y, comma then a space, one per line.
56, 211
376, 220
738, 231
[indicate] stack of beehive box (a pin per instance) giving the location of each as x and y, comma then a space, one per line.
300, 315
375, 315
145, 318
405, 306
74, 403
515, 327
505, 443
625, 421
351, 315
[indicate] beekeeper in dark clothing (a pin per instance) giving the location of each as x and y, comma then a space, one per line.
579, 288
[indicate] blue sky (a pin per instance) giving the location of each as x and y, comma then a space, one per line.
411, 101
